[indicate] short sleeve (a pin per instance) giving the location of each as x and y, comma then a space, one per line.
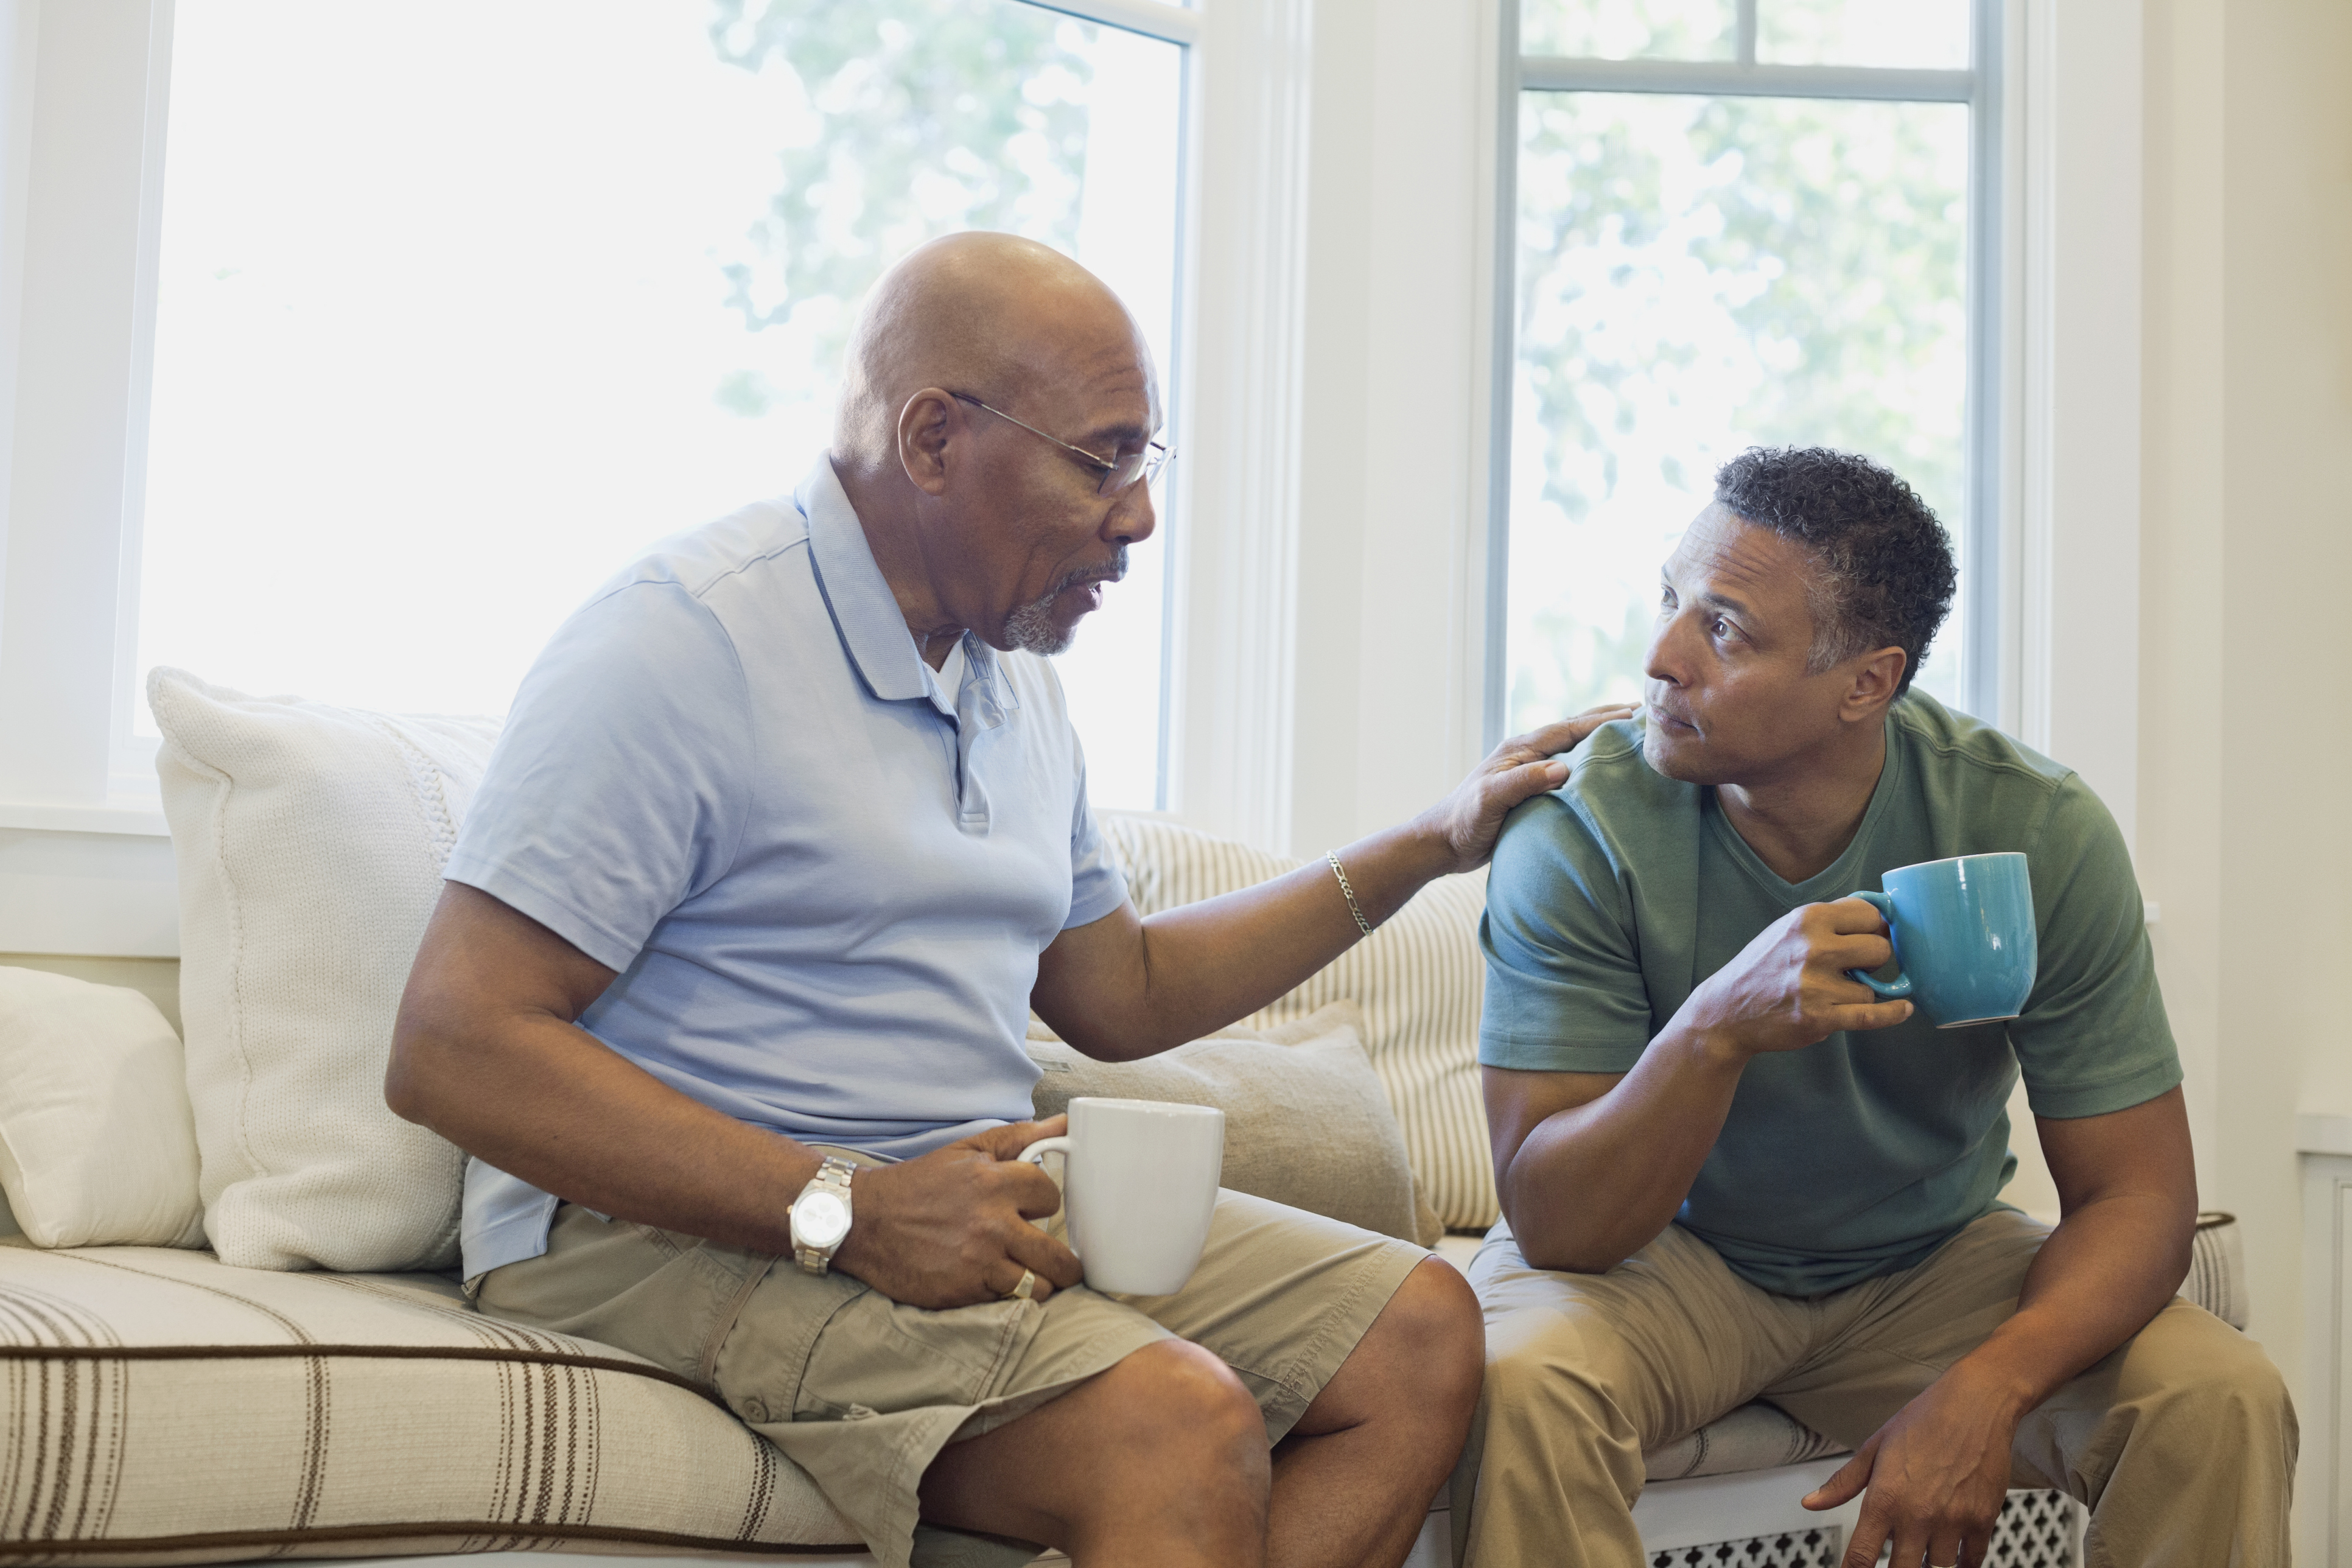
1097, 886
621, 783
2094, 1038
1565, 991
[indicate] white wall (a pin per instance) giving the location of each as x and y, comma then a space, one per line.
2245, 678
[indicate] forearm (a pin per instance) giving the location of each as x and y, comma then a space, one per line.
547, 1102
2109, 1267
1203, 966
1593, 1184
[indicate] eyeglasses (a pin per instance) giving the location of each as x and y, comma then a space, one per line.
1117, 473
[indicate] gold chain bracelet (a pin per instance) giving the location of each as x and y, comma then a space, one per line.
1349, 893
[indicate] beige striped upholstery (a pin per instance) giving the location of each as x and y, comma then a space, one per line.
157, 1405
1419, 979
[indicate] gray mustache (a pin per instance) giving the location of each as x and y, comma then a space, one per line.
1110, 573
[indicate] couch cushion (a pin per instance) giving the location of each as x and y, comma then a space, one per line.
1756, 1436
1306, 1121
159, 1405
310, 841
1419, 978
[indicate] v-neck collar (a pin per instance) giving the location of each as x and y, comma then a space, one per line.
1841, 876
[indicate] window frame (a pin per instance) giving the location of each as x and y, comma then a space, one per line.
71, 77
1987, 647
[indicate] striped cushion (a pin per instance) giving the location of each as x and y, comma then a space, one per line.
2217, 1267
1419, 979
158, 1405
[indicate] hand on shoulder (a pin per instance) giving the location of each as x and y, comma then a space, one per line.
1467, 822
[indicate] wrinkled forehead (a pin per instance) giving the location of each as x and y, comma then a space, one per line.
1724, 553
1099, 370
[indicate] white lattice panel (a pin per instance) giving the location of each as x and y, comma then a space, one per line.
2035, 1530
1805, 1548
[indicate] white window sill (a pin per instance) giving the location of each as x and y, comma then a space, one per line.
134, 816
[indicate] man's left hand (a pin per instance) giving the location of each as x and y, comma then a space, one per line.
1468, 821
1935, 1474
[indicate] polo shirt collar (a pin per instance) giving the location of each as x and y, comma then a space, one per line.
867, 614
864, 609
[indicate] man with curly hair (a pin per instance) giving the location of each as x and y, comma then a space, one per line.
1729, 1171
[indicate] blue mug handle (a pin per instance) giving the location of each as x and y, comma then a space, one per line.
1902, 986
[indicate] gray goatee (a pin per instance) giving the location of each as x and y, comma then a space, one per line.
1031, 628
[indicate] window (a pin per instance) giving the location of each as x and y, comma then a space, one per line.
1733, 223
461, 303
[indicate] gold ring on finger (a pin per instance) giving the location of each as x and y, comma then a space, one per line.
1026, 1290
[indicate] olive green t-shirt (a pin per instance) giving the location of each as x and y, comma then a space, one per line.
1614, 896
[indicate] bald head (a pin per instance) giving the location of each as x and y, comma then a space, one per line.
989, 314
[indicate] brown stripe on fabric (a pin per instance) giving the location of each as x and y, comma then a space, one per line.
502, 1474
315, 1433
571, 1444
354, 1353
488, 1330
70, 1420
19, 1406
551, 1404
591, 1451
284, 1541
66, 1322
106, 1473
763, 1489
294, 1330
40, 1447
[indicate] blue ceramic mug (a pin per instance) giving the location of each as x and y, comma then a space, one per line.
1963, 931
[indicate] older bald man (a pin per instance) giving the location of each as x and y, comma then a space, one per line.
787, 831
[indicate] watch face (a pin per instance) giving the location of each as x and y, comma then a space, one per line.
820, 1220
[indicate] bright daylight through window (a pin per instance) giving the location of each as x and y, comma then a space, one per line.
1702, 267
463, 302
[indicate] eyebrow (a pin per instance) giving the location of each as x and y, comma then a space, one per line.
1720, 601
1118, 435
1725, 602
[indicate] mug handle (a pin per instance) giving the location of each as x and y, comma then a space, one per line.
1035, 1154
1901, 986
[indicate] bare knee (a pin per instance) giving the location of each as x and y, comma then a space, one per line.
1416, 1371
1176, 1412
1434, 1319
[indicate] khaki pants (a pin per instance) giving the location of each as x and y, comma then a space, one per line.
863, 1392
2182, 1442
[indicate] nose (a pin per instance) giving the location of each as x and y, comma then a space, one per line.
1664, 662
1131, 520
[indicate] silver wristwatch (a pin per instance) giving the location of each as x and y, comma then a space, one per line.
820, 1216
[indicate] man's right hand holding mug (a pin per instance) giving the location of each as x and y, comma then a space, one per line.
953, 1228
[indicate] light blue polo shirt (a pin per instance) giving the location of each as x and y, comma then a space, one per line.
824, 878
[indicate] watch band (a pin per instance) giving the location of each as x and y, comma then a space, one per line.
832, 1176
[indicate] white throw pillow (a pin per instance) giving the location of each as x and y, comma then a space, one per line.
310, 841
96, 1148
1420, 979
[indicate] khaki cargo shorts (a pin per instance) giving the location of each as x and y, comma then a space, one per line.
863, 1392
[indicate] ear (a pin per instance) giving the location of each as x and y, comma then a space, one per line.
1871, 686
931, 419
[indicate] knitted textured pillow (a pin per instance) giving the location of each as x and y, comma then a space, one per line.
1419, 978
310, 841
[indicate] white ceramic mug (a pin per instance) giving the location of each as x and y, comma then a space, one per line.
1139, 1182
